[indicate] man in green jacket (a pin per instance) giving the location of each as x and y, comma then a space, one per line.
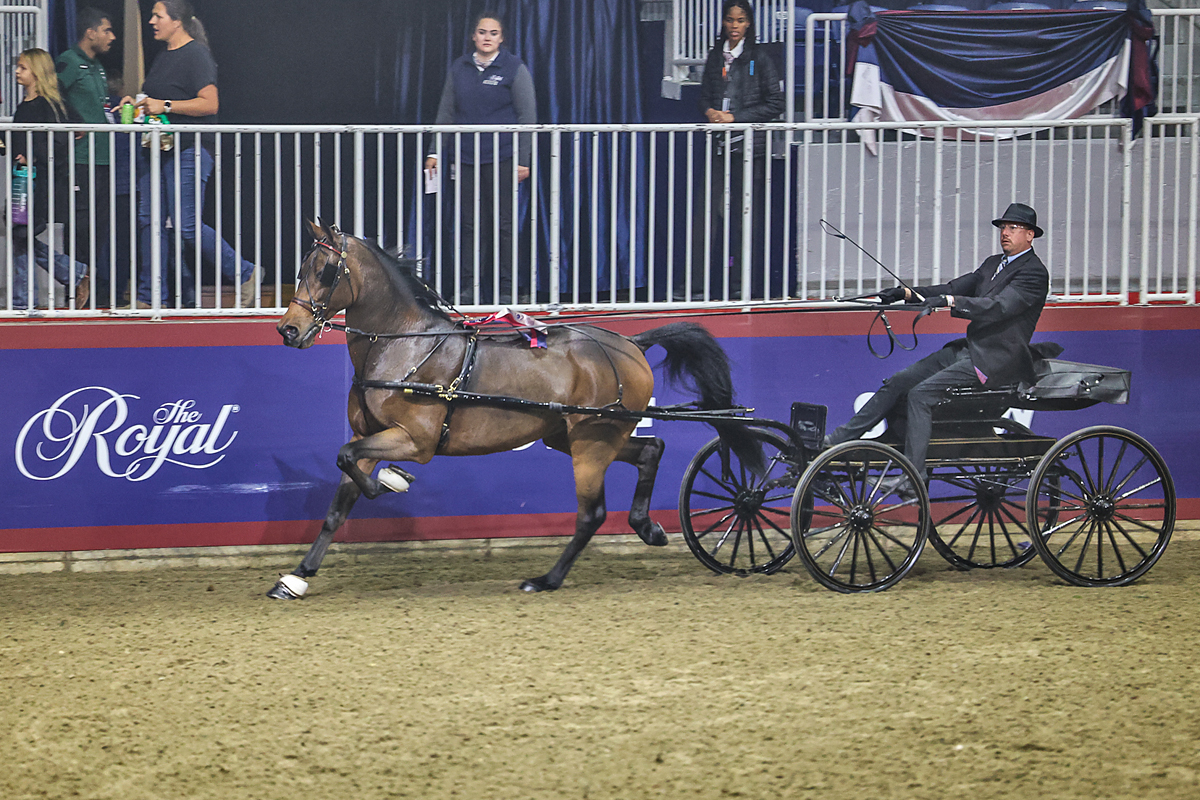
85, 88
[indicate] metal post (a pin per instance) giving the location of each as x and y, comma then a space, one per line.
155, 220
555, 254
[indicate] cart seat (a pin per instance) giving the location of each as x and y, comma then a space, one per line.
970, 423
1061, 386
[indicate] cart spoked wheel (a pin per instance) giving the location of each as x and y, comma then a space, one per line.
736, 522
860, 517
978, 516
1113, 507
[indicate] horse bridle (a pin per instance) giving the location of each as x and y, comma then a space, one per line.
320, 309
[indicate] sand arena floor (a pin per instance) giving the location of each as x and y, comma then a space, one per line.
428, 675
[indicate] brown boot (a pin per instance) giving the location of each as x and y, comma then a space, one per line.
83, 290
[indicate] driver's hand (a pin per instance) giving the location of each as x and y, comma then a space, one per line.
937, 301
893, 295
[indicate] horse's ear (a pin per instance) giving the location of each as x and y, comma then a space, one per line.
318, 229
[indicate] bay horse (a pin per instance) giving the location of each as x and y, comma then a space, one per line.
398, 331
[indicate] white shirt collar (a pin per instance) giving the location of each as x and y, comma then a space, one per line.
1015, 256
736, 51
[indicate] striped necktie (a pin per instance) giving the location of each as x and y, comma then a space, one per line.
1003, 264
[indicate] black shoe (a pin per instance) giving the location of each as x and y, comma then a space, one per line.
898, 485
681, 296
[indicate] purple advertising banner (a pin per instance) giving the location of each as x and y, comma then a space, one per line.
136, 435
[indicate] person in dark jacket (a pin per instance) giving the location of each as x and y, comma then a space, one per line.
1003, 300
488, 86
740, 84
43, 103
84, 85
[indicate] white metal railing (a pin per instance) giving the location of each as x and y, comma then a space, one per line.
22, 26
620, 215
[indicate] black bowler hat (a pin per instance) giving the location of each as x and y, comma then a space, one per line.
1022, 215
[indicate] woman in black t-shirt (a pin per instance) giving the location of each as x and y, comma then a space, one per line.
182, 84
44, 103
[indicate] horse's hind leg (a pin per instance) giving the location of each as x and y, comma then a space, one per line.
644, 452
343, 500
591, 460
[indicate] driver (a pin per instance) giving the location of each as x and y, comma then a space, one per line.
1002, 300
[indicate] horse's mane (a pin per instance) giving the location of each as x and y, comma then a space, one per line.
404, 270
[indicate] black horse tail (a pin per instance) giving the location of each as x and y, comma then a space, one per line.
696, 361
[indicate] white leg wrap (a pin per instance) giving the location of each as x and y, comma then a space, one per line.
394, 479
294, 584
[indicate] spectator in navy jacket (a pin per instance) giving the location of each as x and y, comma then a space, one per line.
488, 86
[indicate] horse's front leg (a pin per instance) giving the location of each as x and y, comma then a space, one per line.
394, 444
288, 587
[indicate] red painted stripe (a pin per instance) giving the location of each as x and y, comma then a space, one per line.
236, 534
85, 334
406, 529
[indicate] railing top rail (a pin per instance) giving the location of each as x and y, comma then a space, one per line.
1086, 122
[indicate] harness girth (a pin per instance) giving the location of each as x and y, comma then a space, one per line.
449, 393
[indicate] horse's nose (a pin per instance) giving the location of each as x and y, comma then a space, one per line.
289, 334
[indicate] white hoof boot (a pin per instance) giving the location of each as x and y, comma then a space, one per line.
395, 479
293, 585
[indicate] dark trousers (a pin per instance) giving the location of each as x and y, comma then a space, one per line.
93, 222
480, 263
907, 399
712, 212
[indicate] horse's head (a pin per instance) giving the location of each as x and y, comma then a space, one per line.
323, 288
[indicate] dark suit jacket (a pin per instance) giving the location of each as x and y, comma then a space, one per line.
1003, 311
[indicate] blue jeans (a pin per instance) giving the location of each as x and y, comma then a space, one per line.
41, 257
186, 220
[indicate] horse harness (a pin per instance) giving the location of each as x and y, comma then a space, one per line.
455, 392
449, 393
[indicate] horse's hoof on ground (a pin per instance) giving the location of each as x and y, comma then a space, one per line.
288, 587
537, 585
655, 537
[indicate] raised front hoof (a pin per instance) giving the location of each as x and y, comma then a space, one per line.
395, 479
655, 536
537, 585
288, 587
